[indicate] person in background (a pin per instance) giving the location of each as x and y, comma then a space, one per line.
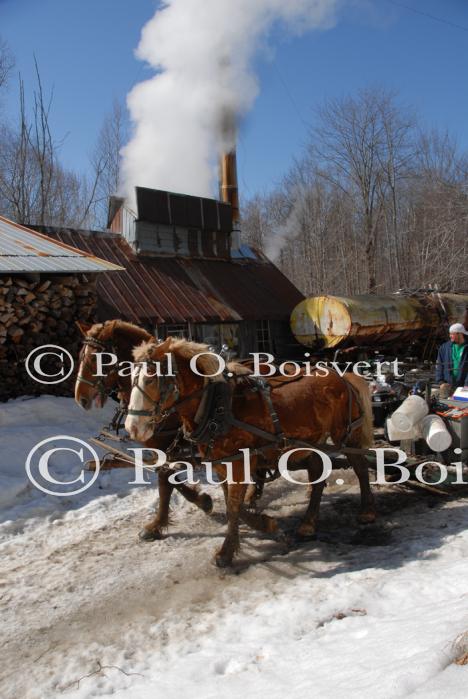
452, 358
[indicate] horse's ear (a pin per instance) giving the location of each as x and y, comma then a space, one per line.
163, 347
84, 328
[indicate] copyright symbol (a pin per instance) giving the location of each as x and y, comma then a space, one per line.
50, 357
49, 463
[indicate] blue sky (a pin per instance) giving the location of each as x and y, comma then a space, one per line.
85, 52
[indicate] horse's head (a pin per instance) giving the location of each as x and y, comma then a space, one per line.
158, 393
90, 388
152, 395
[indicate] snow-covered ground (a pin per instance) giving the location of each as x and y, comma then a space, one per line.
88, 611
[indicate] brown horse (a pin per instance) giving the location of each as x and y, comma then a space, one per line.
113, 336
310, 407
119, 338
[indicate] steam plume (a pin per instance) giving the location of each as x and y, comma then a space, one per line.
202, 52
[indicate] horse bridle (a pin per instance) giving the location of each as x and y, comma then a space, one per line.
98, 383
168, 387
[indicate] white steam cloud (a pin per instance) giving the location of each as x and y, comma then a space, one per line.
202, 52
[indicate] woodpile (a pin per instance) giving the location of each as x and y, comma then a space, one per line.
35, 313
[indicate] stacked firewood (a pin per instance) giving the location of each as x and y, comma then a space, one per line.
41, 312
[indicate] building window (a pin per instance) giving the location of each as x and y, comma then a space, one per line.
208, 333
218, 335
263, 336
177, 330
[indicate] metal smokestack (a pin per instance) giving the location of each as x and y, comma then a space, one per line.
229, 192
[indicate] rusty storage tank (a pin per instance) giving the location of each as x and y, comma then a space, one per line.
324, 322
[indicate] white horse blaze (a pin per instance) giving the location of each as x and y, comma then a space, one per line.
139, 426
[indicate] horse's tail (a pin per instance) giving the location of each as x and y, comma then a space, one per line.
361, 386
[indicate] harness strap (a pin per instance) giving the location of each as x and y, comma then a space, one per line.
257, 431
266, 391
95, 342
82, 379
352, 424
165, 433
137, 413
116, 422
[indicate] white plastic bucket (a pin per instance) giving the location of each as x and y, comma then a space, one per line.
410, 412
396, 435
435, 433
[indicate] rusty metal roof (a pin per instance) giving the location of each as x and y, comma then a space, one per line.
25, 250
177, 290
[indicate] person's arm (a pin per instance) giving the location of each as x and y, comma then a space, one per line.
465, 367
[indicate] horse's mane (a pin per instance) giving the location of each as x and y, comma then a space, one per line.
106, 331
187, 349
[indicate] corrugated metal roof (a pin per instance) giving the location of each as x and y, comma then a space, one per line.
25, 250
177, 290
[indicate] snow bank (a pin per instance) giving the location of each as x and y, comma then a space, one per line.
24, 423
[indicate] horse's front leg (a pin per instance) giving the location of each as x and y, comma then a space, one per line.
255, 489
154, 529
308, 525
193, 495
254, 493
235, 499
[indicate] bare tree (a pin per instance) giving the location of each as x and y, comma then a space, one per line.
7, 62
373, 205
361, 144
106, 158
34, 187
437, 214
254, 222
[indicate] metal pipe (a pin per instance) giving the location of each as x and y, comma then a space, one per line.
228, 189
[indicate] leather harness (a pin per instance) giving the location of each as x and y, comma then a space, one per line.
214, 417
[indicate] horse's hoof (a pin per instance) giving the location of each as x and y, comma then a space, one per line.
367, 517
250, 506
149, 535
222, 561
304, 538
305, 533
270, 524
206, 503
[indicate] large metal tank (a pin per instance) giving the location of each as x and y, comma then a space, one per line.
338, 321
